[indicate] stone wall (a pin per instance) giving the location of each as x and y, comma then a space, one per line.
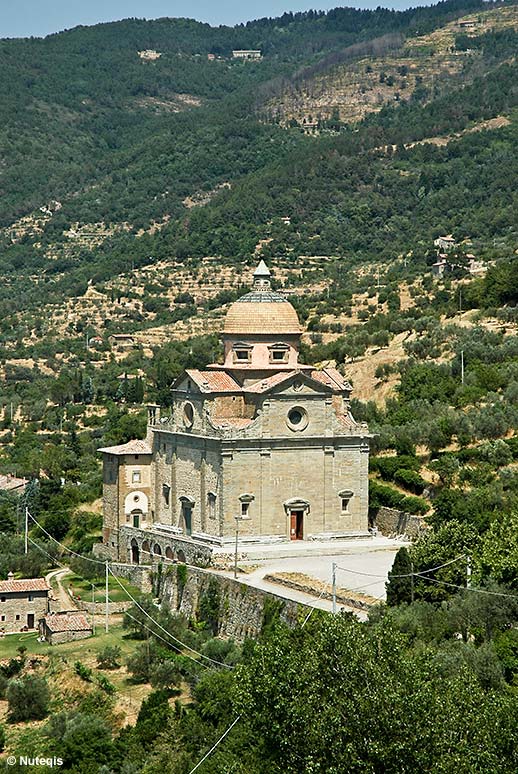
16, 607
391, 523
57, 638
242, 609
135, 574
99, 608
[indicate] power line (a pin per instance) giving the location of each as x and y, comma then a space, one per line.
183, 644
229, 729
405, 575
74, 553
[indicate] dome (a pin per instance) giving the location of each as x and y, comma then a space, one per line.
262, 311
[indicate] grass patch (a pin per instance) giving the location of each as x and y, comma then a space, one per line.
80, 649
83, 589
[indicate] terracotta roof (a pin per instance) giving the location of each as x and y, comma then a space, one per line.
262, 312
67, 622
213, 381
332, 378
271, 381
23, 585
8, 483
132, 447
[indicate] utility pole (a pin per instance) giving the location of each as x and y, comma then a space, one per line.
235, 551
462, 366
460, 298
411, 581
334, 588
468, 572
107, 610
26, 530
93, 610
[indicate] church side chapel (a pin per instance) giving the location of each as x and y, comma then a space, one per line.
261, 438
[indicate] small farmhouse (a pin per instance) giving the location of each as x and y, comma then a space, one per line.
22, 603
67, 626
246, 54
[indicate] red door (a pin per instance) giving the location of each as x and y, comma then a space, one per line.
293, 525
296, 525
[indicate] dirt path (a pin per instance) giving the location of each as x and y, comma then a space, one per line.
61, 599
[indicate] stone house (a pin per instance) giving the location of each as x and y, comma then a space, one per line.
66, 626
122, 341
22, 603
261, 437
247, 54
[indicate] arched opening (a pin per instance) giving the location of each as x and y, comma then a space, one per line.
169, 553
136, 516
146, 553
135, 554
187, 504
181, 556
157, 550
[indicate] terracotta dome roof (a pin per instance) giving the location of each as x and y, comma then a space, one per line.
262, 311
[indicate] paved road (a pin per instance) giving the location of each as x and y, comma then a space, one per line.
360, 569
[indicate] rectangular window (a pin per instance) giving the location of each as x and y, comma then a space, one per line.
135, 477
2, 618
166, 491
17, 617
345, 504
30, 599
245, 507
2, 599
242, 354
212, 505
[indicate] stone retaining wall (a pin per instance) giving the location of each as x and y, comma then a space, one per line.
393, 523
99, 608
243, 609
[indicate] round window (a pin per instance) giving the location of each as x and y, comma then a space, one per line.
188, 415
136, 499
297, 418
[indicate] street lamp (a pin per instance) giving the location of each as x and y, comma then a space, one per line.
238, 519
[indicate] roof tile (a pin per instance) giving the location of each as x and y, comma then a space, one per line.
23, 585
132, 447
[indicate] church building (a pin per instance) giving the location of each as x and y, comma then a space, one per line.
261, 440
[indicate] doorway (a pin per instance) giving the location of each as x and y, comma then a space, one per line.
297, 525
30, 620
134, 552
136, 518
187, 518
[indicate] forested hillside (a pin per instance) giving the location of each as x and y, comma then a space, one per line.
143, 174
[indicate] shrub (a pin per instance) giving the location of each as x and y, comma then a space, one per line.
109, 657
83, 671
28, 698
410, 480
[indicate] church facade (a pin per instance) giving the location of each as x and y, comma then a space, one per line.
260, 437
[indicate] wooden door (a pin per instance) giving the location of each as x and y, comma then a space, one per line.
293, 525
300, 525
30, 620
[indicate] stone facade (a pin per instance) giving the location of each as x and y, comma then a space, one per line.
66, 626
22, 603
261, 437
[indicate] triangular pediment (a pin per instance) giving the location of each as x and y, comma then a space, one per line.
292, 383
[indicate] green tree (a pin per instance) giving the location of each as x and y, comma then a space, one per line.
400, 589
27, 698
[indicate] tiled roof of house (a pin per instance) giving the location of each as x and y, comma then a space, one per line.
9, 483
213, 381
67, 622
271, 381
23, 585
132, 447
332, 378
